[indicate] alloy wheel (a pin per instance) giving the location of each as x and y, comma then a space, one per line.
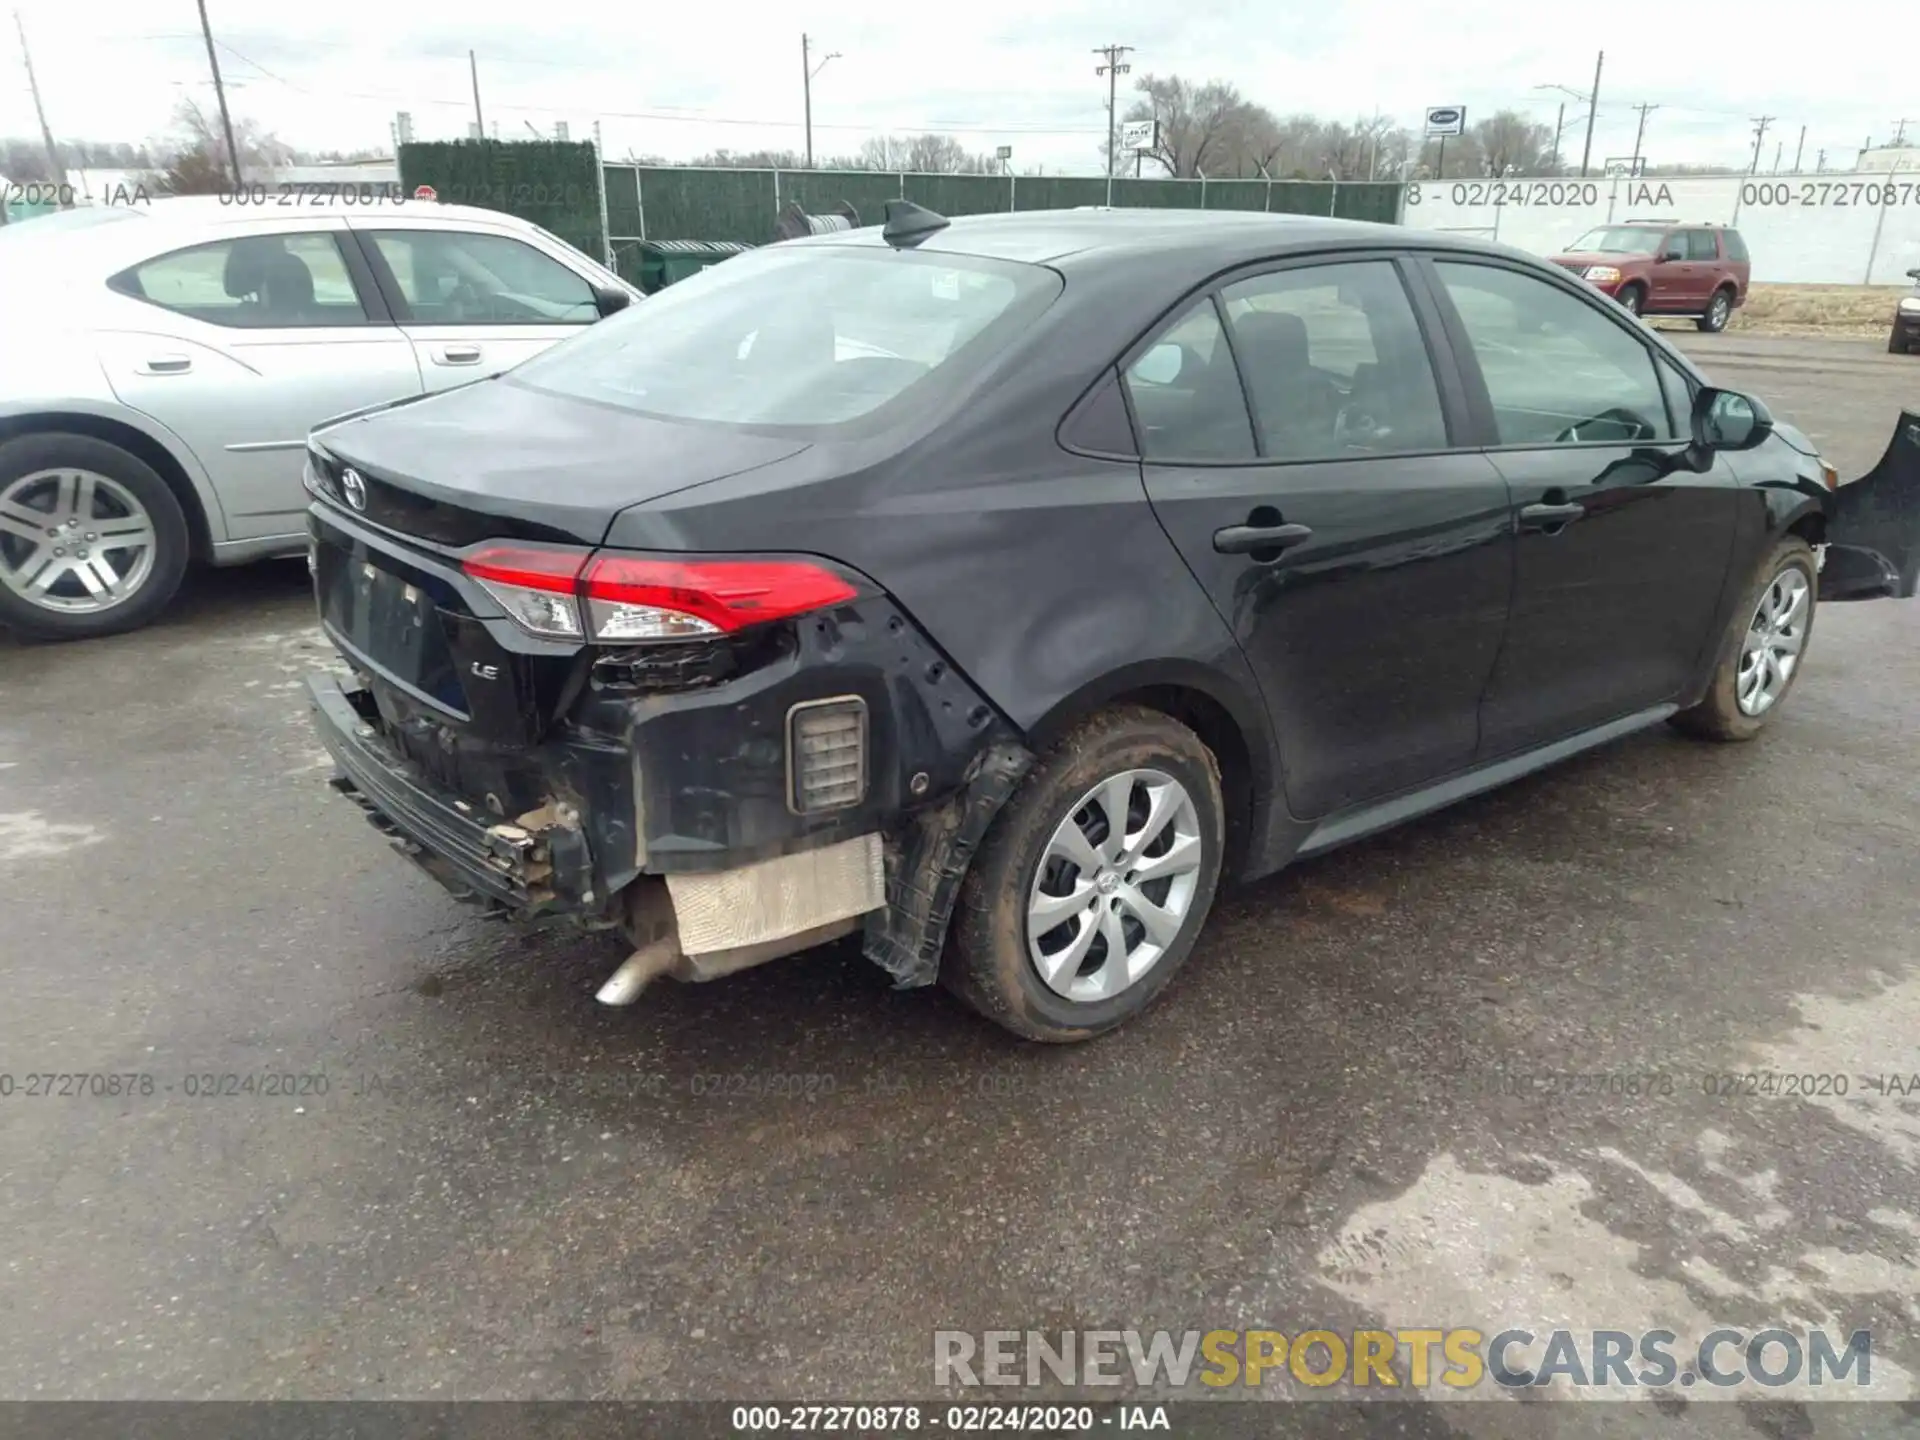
1775, 638
1115, 885
1718, 310
74, 541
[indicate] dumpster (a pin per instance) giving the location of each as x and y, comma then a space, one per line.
662, 262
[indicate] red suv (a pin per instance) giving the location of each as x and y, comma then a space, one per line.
1656, 267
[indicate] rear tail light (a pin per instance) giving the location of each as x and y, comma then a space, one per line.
623, 599
535, 587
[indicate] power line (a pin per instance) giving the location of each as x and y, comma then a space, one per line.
1760, 124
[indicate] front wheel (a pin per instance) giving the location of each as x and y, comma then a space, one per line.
1764, 647
1632, 298
1719, 311
1094, 882
92, 540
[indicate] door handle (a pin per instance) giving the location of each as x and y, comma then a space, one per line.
457, 355
166, 365
1245, 539
1550, 518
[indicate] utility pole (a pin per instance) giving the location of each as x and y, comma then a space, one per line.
1593, 109
473, 69
807, 71
1778, 148
1799, 149
46, 134
1820, 163
220, 94
1900, 130
806, 90
1559, 124
1113, 70
1639, 134
1760, 124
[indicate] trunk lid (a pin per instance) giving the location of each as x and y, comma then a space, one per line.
498, 460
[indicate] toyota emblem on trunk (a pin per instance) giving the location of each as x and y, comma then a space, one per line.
354, 488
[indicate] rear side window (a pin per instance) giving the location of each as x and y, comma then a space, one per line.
1558, 369
254, 282
1334, 362
1186, 396
1736, 247
1698, 245
801, 337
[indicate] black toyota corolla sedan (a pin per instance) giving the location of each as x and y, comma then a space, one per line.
996, 588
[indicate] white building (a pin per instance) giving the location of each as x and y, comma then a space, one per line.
1885, 159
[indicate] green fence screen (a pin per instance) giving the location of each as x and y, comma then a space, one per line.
552, 184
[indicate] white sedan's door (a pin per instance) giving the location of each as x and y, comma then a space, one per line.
263, 337
476, 302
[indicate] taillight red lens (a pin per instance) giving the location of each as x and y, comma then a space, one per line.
567, 594
537, 587
633, 597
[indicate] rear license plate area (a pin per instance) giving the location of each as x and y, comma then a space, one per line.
388, 624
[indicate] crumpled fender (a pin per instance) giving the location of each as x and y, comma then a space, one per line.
1873, 525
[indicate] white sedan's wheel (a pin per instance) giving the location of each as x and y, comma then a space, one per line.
92, 540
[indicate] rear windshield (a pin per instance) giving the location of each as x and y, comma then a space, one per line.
1617, 240
802, 336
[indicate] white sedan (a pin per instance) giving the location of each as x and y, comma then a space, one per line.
165, 362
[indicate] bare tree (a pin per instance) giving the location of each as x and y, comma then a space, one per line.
194, 160
1204, 129
1511, 144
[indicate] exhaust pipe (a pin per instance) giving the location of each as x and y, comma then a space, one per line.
639, 970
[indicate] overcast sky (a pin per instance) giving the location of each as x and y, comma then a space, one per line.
683, 76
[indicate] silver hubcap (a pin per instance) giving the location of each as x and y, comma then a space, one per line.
73, 541
1775, 638
1115, 885
1719, 312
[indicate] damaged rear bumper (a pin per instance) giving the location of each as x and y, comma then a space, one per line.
528, 865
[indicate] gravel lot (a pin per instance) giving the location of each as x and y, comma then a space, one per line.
508, 1191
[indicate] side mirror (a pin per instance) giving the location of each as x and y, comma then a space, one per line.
1668, 255
610, 301
1914, 274
1728, 420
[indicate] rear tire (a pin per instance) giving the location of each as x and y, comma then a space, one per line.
1024, 880
1719, 312
81, 519
1632, 299
1898, 344
1730, 708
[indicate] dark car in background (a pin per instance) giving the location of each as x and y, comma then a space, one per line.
1904, 337
1664, 268
996, 589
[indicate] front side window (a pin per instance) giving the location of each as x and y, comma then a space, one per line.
802, 337
451, 277
1558, 370
254, 282
1334, 362
1186, 395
